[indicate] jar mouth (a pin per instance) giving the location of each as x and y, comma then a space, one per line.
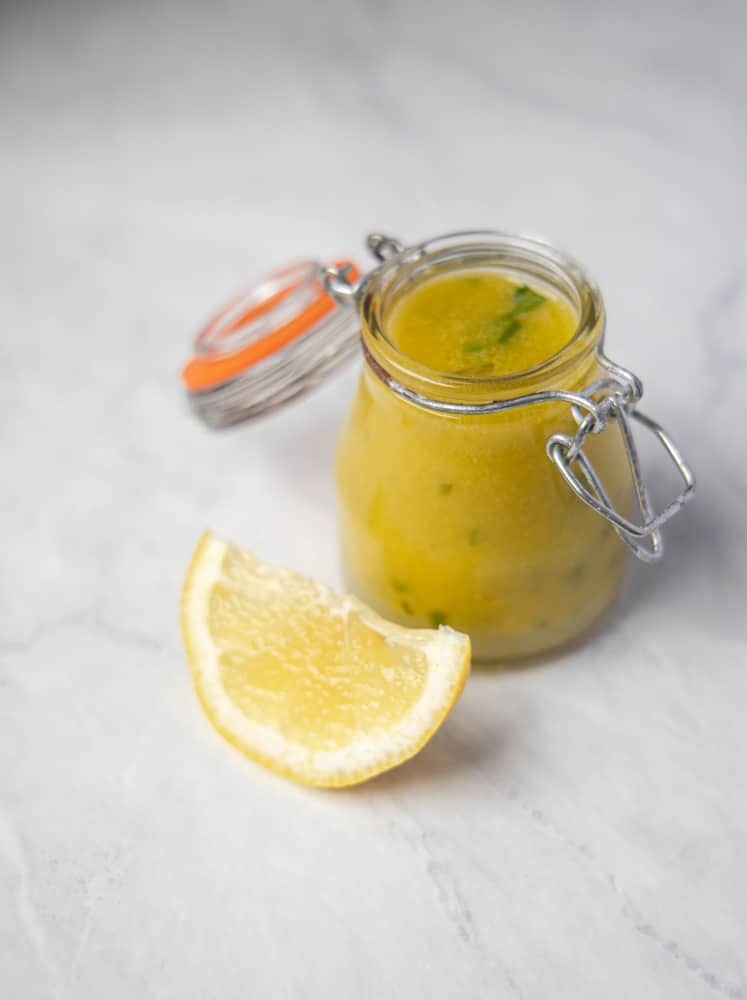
522, 258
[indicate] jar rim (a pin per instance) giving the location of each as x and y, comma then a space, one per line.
527, 256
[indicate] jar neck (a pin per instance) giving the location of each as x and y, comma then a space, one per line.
522, 259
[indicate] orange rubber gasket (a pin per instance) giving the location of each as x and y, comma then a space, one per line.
203, 372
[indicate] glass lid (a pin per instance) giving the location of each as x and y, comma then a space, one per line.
272, 342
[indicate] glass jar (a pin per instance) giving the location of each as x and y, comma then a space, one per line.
454, 499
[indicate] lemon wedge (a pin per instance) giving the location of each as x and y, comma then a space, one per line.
310, 683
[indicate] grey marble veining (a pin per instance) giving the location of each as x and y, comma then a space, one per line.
579, 827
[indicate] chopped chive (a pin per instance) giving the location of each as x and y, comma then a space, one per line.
474, 346
526, 299
445, 488
507, 324
437, 618
399, 585
511, 328
406, 607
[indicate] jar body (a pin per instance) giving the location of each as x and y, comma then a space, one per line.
461, 519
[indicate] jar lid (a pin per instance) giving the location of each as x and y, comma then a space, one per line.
274, 341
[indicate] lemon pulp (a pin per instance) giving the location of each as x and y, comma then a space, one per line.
311, 683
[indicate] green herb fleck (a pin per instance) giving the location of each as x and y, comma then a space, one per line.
399, 585
474, 536
509, 330
472, 280
474, 346
437, 618
445, 488
526, 299
508, 324
406, 607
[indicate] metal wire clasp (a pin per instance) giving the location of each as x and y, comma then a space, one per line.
337, 279
337, 283
621, 391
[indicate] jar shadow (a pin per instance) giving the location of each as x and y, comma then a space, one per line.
700, 571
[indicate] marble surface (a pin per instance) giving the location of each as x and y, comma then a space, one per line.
579, 827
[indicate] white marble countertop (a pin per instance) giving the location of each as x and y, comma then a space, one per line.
578, 829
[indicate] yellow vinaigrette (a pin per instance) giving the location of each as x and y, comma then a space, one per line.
480, 323
460, 519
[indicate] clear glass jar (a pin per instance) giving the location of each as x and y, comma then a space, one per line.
499, 505
459, 518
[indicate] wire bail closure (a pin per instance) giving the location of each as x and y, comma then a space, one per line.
620, 391
337, 279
